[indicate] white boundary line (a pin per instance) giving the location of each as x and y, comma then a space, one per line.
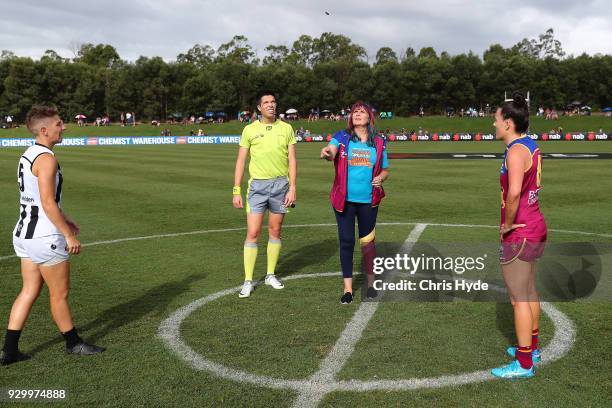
199, 232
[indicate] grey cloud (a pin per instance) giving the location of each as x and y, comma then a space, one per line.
166, 28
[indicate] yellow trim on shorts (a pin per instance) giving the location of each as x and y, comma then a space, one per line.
517, 255
246, 198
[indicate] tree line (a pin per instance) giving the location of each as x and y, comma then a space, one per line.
329, 72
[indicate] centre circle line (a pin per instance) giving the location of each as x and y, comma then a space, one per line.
169, 331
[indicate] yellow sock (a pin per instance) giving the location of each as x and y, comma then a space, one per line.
250, 256
274, 247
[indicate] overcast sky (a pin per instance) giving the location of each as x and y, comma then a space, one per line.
169, 27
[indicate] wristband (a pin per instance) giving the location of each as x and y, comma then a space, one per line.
236, 190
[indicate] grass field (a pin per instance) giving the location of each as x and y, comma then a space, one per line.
122, 291
428, 123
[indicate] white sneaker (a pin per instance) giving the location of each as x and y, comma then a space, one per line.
272, 280
247, 288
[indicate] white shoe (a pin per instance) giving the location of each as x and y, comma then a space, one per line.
247, 288
272, 280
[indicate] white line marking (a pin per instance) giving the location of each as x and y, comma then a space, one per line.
565, 334
169, 331
199, 232
321, 382
345, 346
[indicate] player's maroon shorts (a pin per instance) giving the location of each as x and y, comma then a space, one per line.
525, 249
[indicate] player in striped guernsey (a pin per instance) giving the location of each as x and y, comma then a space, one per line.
522, 232
43, 238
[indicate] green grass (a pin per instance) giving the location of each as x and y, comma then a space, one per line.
429, 123
122, 291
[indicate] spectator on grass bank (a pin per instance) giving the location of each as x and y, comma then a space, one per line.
421, 111
9, 121
133, 119
128, 118
200, 132
122, 119
300, 131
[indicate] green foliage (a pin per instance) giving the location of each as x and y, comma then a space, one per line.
101, 55
330, 72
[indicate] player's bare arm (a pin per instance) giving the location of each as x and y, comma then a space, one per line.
45, 168
516, 162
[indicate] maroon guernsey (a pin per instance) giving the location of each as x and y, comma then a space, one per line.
528, 212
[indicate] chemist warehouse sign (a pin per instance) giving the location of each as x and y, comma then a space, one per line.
235, 139
128, 141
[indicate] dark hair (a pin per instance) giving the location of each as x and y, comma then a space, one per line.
517, 110
38, 113
262, 93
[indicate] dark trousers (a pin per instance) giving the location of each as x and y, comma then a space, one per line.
366, 221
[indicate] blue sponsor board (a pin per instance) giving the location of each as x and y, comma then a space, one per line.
235, 139
127, 141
